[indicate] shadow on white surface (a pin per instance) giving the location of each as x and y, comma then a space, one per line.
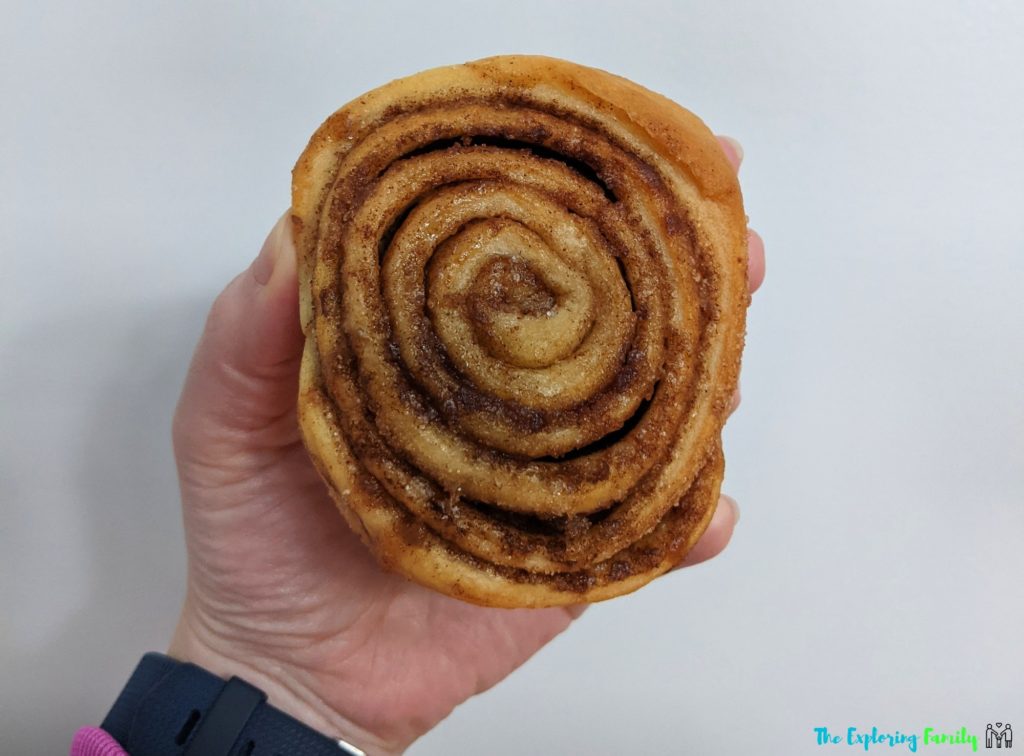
95, 543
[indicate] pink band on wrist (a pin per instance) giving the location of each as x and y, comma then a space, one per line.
92, 741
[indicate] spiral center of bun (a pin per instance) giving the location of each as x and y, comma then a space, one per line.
523, 304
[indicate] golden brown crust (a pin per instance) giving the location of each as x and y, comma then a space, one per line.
523, 287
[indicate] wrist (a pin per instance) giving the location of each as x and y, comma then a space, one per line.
286, 686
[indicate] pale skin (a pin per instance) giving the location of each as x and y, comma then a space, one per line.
280, 591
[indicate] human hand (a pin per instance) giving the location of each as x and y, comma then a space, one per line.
280, 591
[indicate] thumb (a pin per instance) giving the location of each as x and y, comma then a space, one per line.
240, 392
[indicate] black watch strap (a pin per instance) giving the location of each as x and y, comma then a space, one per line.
172, 708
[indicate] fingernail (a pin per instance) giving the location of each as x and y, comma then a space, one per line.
737, 148
737, 397
263, 265
735, 508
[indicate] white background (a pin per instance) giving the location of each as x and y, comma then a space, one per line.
875, 578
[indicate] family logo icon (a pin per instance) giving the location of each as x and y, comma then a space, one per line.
999, 735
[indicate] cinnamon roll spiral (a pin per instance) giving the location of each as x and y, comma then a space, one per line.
523, 289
